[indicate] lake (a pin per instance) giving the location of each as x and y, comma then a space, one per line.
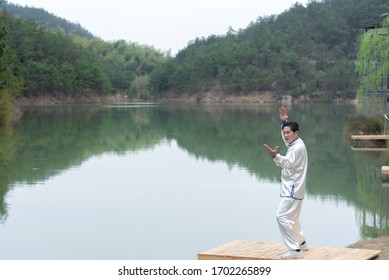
150, 181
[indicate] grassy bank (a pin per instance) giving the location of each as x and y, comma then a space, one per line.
380, 243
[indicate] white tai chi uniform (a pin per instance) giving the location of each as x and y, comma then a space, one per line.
293, 179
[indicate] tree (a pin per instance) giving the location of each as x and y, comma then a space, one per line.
373, 60
140, 87
10, 84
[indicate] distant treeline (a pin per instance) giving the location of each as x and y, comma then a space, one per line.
303, 51
44, 18
57, 62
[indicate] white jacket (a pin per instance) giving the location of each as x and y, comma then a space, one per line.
294, 169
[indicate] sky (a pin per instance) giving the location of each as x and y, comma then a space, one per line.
167, 25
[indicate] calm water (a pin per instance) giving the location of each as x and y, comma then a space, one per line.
168, 182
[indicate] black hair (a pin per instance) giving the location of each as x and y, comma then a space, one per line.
293, 126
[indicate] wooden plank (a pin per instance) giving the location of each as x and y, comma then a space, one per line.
254, 250
370, 137
370, 149
384, 169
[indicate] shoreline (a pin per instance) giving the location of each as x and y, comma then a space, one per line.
204, 98
378, 243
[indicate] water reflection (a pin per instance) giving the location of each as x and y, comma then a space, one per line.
163, 170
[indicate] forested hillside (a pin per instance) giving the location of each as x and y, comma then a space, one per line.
304, 51
57, 62
10, 82
307, 50
44, 18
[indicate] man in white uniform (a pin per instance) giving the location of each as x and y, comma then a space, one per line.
293, 180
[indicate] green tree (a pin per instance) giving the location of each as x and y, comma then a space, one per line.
373, 60
10, 84
303, 51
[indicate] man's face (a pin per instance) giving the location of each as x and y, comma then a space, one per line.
289, 135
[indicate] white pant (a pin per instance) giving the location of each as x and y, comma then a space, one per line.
288, 219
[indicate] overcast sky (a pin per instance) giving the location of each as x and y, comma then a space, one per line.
164, 24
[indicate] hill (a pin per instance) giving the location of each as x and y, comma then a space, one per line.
305, 51
44, 18
53, 61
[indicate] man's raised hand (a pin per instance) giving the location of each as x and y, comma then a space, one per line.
283, 114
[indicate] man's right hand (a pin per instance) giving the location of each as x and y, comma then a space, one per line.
272, 152
283, 114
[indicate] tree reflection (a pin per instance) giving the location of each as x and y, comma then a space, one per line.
49, 140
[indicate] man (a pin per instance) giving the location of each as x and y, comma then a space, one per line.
293, 179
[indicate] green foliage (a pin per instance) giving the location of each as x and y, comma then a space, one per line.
44, 18
364, 124
60, 63
373, 59
140, 87
52, 63
10, 84
125, 61
305, 50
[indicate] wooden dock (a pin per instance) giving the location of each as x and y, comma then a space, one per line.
370, 149
254, 250
370, 137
